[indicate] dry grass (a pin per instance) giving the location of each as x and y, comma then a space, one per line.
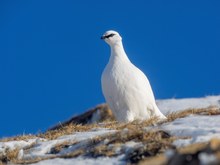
103, 110
9, 156
34, 160
193, 148
66, 130
191, 151
200, 111
154, 142
71, 126
154, 160
57, 148
136, 125
18, 138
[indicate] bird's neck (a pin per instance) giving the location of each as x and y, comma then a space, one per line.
118, 52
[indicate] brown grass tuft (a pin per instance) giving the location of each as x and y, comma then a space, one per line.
200, 111
154, 160
103, 110
66, 130
73, 154
61, 146
136, 125
18, 138
9, 156
193, 148
154, 142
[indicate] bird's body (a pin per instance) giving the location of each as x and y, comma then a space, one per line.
126, 89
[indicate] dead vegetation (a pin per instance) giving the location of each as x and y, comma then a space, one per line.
190, 154
66, 130
71, 127
200, 111
18, 138
193, 153
9, 156
153, 142
102, 110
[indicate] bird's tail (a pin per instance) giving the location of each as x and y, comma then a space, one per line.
159, 113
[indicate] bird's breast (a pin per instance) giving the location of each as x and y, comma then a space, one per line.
115, 81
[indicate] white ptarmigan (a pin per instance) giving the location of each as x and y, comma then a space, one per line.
126, 89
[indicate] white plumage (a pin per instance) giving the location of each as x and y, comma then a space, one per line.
126, 89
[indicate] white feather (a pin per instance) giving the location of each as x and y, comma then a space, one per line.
125, 87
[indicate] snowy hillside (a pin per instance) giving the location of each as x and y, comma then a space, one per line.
172, 105
191, 134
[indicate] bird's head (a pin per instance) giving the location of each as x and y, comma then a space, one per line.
111, 37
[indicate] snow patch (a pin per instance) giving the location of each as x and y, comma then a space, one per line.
43, 149
12, 145
130, 146
207, 159
168, 106
82, 161
200, 128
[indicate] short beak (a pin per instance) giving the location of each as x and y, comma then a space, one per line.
103, 37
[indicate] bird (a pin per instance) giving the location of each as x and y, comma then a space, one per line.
126, 89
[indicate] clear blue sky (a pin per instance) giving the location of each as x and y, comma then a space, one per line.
51, 55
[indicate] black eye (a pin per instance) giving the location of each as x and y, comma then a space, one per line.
110, 35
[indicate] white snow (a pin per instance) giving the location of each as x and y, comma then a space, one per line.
84, 161
207, 159
169, 153
197, 127
11, 145
200, 128
130, 146
172, 105
42, 149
